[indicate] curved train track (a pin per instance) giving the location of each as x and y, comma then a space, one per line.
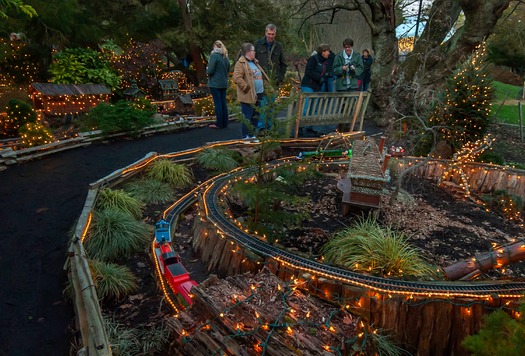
211, 192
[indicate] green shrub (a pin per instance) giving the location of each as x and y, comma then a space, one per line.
176, 175
119, 200
114, 234
507, 205
35, 134
150, 191
204, 106
500, 335
368, 247
112, 282
490, 156
122, 116
19, 113
219, 159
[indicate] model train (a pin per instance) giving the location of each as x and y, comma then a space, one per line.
325, 153
170, 265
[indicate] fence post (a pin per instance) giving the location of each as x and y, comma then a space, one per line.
520, 110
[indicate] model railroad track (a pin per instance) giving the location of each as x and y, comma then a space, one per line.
212, 190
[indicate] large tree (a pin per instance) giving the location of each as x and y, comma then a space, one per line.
410, 85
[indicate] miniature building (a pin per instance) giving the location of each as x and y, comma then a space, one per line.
51, 99
133, 92
366, 176
167, 89
184, 104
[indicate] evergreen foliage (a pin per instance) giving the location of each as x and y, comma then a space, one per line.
121, 116
112, 282
150, 191
114, 234
120, 200
35, 134
500, 335
219, 159
19, 113
368, 247
176, 175
462, 114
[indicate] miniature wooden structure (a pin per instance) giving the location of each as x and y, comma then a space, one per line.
51, 99
167, 89
133, 92
366, 176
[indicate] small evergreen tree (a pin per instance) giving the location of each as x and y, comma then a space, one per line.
19, 113
500, 335
462, 113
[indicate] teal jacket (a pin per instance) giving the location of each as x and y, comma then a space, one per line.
218, 70
347, 79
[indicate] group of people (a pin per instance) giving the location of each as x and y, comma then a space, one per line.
350, 70
256, 66
263, 62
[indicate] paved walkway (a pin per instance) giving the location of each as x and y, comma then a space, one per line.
40, 202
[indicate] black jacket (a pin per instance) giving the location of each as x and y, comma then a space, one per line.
271, 59
317, 71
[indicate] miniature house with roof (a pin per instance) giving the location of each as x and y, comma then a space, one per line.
366, 177
167, 89
50, 99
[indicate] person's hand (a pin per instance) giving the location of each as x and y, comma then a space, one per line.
329, 74
322, 80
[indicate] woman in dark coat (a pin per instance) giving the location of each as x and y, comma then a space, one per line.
217, 70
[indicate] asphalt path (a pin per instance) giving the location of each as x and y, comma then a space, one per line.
40, 203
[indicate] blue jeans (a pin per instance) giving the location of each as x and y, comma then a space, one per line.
265, 120
250, 114
221, 107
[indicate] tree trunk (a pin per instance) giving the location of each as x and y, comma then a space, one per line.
501, 257
195, 51
411, 85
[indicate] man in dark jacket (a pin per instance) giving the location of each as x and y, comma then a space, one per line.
270, 55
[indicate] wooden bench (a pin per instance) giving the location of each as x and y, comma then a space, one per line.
321, 108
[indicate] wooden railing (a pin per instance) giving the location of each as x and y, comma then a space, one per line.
313, 109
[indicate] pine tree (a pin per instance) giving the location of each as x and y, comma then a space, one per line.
463, 113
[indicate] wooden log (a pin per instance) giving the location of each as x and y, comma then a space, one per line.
486, 261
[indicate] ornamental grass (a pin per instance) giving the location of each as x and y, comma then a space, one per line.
140, 340
176, 175
112, 282
370, 248
118, 200
218, 159
150, 191
114, 234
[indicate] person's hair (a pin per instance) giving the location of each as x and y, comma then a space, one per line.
271, 26
323, 47
245, 48
221, 45
348, 42
367, 51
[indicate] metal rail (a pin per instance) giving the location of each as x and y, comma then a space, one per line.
211, 192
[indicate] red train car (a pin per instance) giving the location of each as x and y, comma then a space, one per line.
170, 265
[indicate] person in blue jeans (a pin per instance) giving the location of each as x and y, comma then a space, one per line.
217, 70
250, 79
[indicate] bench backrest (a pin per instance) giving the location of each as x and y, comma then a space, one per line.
321, 108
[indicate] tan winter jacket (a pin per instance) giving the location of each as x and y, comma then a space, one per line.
243, 78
